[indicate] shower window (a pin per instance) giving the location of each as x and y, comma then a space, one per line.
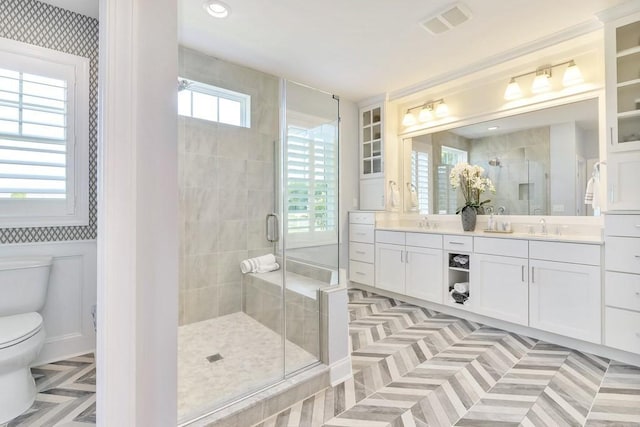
215, 104
43, 137
312, 181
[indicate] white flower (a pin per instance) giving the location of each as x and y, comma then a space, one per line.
471, 182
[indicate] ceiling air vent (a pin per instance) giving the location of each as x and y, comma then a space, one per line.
450, 17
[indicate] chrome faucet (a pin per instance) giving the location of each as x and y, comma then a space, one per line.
543, 225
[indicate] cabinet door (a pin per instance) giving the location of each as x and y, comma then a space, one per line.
624, 175
390, 267
424, 274
500, 287
565, 299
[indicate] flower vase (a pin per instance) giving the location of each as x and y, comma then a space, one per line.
468, 217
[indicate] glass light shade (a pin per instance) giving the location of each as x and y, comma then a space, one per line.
442, 110
425, 114
409, 119
572, 75
541, 83
217, 9
513, 91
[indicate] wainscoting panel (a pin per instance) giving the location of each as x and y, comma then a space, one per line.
71, 295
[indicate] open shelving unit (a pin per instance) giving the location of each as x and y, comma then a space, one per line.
458, 272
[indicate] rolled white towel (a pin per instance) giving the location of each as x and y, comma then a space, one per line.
252, 265
461, 287
265, 268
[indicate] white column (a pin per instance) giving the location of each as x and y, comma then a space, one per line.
137, 210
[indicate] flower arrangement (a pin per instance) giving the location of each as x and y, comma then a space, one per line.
470, 180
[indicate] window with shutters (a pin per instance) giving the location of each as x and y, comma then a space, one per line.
43, 136
420, 180
448, 197
312, 184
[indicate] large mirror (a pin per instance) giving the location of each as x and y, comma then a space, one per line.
540, 162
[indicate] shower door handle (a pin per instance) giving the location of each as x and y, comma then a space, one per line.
272, 228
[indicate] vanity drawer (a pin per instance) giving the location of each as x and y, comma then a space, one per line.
504, 247
361, 272
393, 237
622, 290
622, 254
574, 253
622, 225
361, 233
458, 243
363, 252
423, 240
362, 218
622, 329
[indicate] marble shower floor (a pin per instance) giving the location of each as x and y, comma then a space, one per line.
251, 357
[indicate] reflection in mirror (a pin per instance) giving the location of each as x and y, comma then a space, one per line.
540, 162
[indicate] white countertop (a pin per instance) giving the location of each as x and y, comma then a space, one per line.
551, 237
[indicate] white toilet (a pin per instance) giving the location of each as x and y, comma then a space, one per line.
23, 290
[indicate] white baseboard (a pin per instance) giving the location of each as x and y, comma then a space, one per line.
340, 371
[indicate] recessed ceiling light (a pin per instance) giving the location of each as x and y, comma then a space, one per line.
492, 128
217, 9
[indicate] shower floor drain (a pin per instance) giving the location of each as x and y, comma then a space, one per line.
214, 358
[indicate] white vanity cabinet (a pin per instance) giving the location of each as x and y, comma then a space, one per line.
361, 248
623, 177
410, 264
565, 289
499, 276
390, 264
622, 282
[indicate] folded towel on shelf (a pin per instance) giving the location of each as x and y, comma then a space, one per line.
461, 287
260, 264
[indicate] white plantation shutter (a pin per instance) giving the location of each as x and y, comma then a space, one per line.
312, 179
420, 178
33, 136
43, 113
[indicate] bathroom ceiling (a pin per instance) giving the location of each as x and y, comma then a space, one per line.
363, 48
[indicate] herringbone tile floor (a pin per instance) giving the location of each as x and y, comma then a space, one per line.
417, 367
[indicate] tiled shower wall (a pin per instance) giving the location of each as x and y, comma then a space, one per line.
226, 188
521, 179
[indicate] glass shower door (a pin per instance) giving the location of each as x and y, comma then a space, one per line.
309, 215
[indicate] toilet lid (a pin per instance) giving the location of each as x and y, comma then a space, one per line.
17, 328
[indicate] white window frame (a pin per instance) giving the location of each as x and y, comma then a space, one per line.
74, 209
221, 93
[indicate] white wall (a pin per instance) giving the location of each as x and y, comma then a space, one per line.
70, 296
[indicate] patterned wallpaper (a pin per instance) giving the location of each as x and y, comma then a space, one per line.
40, 24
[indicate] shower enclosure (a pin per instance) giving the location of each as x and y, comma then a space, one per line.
258, 175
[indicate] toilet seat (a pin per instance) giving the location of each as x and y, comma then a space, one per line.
18, 328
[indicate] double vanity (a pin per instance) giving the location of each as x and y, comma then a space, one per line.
544, 282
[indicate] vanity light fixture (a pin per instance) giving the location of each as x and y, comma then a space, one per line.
427, 111
542, 81
216, 8
513, 90
409, 119
572, 75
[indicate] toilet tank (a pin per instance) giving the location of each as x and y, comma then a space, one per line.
23, 284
